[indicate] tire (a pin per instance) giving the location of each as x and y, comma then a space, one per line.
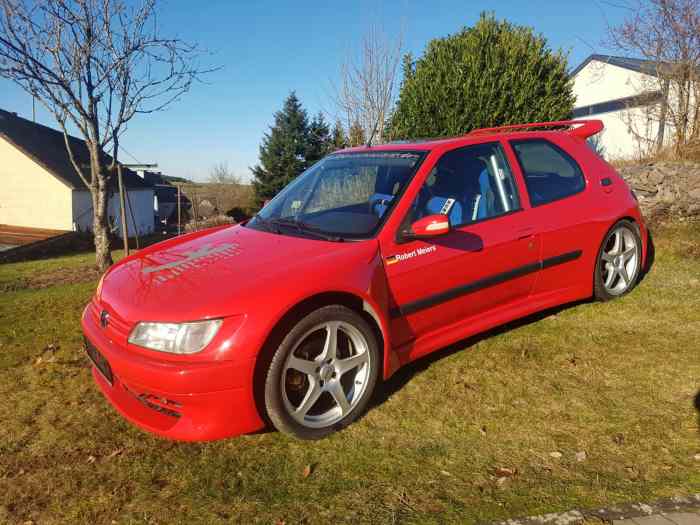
309, 377
619, 262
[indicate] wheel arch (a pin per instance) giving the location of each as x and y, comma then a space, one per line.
644, 235
293, 315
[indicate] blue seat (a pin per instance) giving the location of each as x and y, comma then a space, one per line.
484, 189
436, 204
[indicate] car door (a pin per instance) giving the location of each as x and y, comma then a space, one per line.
561, 207
489, 258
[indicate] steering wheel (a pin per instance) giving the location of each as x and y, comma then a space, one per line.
379, 202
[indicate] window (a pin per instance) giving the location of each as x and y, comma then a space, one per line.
468, 185
345, 194
550, 173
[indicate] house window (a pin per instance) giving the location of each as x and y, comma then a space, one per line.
550, 173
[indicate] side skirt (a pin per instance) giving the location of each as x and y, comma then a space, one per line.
482, 322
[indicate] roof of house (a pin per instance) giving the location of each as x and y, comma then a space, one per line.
633, 64
47, 147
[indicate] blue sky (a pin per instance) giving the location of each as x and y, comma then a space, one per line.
268, 48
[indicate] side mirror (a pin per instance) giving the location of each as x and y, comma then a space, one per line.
430, 226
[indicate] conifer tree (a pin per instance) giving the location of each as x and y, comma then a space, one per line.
284, 149
338, 138
320, 140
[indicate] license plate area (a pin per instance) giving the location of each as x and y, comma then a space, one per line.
100, 362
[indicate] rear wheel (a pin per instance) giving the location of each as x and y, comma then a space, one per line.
619, 261
323, 374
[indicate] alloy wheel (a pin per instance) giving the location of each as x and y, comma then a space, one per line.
620, 259
325, 375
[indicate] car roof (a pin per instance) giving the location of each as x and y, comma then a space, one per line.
578, 128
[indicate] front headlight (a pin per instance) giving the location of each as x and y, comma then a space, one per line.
175, 338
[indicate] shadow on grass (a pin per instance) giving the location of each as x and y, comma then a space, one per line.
651, 257
407, 372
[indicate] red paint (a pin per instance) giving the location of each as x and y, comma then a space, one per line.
431, 226
254, 278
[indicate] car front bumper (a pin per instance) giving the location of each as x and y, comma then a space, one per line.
187, 401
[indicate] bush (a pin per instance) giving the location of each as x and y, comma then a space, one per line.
217, 220
492, 74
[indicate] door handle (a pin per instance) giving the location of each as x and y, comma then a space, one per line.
525, 233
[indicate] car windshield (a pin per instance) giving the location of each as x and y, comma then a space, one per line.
346, 195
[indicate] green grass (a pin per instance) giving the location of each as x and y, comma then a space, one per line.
615, 380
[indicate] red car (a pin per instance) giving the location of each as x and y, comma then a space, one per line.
372, 258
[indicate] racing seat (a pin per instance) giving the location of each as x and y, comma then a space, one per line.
479, 197
446, 197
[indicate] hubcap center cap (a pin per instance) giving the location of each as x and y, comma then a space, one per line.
618, 260
326, 372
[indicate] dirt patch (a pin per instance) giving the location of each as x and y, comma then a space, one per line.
46, 279
80, 274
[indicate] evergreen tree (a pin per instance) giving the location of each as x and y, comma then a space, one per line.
338, 138
492, 74
356, 135
319, 141
283, 152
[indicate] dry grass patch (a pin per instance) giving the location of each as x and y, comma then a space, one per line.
577, 408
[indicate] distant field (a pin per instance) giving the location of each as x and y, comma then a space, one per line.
587, 406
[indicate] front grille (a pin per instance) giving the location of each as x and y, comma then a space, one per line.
116, 328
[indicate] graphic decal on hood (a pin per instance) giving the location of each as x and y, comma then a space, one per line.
199, 258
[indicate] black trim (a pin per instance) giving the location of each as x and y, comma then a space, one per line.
453, 293
618, 104
561, 259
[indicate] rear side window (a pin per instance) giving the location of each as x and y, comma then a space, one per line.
550, 173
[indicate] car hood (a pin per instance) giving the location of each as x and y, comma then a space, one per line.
217, 273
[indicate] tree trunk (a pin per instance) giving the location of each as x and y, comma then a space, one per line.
660, 137
100, 226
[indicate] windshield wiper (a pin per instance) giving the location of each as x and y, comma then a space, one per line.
303, 227
267, 224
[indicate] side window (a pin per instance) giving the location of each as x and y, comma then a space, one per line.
550, 173
468, 185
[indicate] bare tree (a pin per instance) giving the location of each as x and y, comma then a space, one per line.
667, 34
367, 89
95, 65
225, 189
220, 173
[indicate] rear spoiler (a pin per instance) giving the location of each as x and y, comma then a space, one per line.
577, 128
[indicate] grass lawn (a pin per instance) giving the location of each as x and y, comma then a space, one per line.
590, 406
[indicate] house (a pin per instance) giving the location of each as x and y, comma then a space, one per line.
626, 94
39, 187
165, 198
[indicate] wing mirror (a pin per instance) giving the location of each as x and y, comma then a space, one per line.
430, 226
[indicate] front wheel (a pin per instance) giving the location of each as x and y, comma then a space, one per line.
322, 375
619, 261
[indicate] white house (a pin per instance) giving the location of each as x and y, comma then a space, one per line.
39, 188
625, 94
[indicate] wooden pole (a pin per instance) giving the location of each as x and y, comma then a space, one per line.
178, 209
122, 211
133, 219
